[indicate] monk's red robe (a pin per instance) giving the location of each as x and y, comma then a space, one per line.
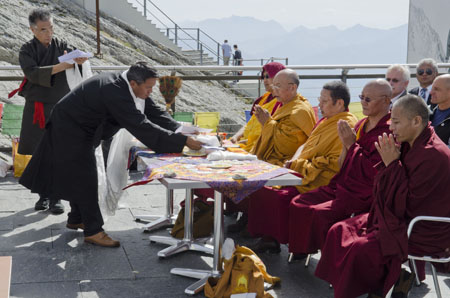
349, 192
365, 253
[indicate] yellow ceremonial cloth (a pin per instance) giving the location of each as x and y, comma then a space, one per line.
253, 128
318, 161
285, 131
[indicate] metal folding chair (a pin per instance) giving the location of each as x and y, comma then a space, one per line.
429, 259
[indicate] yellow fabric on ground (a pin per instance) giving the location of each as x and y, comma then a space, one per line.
318, 161
253, 127
285, 131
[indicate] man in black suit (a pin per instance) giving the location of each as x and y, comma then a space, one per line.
398, 77
427, 71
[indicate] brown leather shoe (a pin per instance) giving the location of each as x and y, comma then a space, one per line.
75, 226
102, 239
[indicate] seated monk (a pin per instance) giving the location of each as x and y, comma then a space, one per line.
249, 133
364, 253
316, 161
282, 133
290, 125
311, 214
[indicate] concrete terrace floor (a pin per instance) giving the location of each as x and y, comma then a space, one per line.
53, 262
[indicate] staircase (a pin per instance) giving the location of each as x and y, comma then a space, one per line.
144, 15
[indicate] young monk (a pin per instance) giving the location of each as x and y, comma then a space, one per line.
364, 253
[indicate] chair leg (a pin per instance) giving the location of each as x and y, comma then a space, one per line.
308, 258
414, 268
436, 282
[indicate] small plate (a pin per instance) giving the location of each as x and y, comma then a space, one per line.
220, 166
195, 153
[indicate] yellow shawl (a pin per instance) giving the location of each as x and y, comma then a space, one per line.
253, 128
318, 161
285, 131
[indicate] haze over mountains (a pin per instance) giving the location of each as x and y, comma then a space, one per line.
302, 45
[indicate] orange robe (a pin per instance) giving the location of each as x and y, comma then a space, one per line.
253, 127
285, 131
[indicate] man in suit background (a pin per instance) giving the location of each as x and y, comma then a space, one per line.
426, 71
398, 77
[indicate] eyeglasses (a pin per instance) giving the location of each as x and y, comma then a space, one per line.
367, 99
393, 80
279, 86
429, 71
266, 76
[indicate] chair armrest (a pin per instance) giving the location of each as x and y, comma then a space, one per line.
426, 218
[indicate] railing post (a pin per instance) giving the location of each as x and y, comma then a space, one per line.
344, 74
176, 34
218, 53
262, 61
286, 61
201, 54
145, 9
168, 32
198, 39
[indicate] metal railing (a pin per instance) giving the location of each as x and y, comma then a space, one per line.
307, 75
179, 34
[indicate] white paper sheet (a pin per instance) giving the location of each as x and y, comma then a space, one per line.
74, 54
191, 130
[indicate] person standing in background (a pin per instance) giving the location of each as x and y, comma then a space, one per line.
226, 52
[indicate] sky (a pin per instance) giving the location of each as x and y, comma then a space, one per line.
381, 14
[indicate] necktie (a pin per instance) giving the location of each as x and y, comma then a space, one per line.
423, 93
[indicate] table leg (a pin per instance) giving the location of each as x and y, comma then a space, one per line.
188, 242
159, 221
216, 271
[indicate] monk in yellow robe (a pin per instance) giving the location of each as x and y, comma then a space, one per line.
290, 125
249, 134
317, 162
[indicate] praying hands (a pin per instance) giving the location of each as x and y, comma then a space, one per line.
261, 114
387, 148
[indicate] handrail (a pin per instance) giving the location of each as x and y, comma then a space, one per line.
243, 68
200, 44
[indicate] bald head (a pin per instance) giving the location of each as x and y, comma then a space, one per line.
382, 87
412, 106
290, 75
285, 85
376, 97
440, 91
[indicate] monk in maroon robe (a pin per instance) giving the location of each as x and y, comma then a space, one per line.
350, 192
317, 161
364, 253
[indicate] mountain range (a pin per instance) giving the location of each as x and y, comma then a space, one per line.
302, 45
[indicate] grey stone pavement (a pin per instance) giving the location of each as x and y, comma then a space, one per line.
53, 262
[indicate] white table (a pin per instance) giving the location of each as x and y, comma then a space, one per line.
188, 243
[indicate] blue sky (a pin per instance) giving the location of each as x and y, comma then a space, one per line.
292, 13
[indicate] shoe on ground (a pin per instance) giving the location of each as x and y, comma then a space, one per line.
102, 239
41, 204
240, 225
403, 285
75, 226
262, 246
56, 207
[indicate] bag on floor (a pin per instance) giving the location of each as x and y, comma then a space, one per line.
203, 221
20, 161
244, 272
